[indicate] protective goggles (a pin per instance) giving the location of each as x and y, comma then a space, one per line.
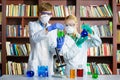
69, 24
48, 13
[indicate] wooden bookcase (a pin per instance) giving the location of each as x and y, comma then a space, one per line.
111, 60
0, 38
15, 20
23, 20
118, 28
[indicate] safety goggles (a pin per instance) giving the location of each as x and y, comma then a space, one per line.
69, 24
48, 13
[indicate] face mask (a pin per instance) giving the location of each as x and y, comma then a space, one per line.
69, 29
44, 18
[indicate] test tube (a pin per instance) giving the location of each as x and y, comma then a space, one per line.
60, 33
79, 72
72, 73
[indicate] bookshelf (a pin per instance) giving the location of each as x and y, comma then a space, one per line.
0, 37
100, 20
23, 20
118, 35
16, 20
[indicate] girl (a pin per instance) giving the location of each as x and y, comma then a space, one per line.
76, 57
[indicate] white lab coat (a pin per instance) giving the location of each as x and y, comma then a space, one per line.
42, 47
75, 57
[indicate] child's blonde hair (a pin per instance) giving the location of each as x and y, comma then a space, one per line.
71, 17
45, 7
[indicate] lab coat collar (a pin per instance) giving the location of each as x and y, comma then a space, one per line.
41, 24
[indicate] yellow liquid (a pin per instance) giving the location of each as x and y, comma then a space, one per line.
72, 73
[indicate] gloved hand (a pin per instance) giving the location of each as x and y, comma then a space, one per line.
84, 33
60, 42
55, 26
81, 40
87, 28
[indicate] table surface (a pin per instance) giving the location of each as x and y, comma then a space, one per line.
21, 77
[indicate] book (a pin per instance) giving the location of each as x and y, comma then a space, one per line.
9, 66
0, 17
100, 11
103, 10
106, 8
19, 69
21, 10
118, 16
15, 49
15, 68
109, 9
118, 55
0, 55
8, 48
118, 36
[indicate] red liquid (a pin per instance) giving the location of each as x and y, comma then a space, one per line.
79, 72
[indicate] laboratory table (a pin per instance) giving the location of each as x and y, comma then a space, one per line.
21, 77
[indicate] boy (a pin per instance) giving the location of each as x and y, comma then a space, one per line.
42, 40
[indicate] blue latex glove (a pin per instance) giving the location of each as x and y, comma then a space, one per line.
87, 28
60, 42
84, 33
55, 26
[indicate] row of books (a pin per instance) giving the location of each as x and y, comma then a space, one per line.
18, 49
104, 50
98, 68
118, 56
118, 1
62, 11
32, 10
0, 18
118, 71
0, 36
21, 10
14, 68
17, 31
0, 72
0, 55
96, 11
103, 30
